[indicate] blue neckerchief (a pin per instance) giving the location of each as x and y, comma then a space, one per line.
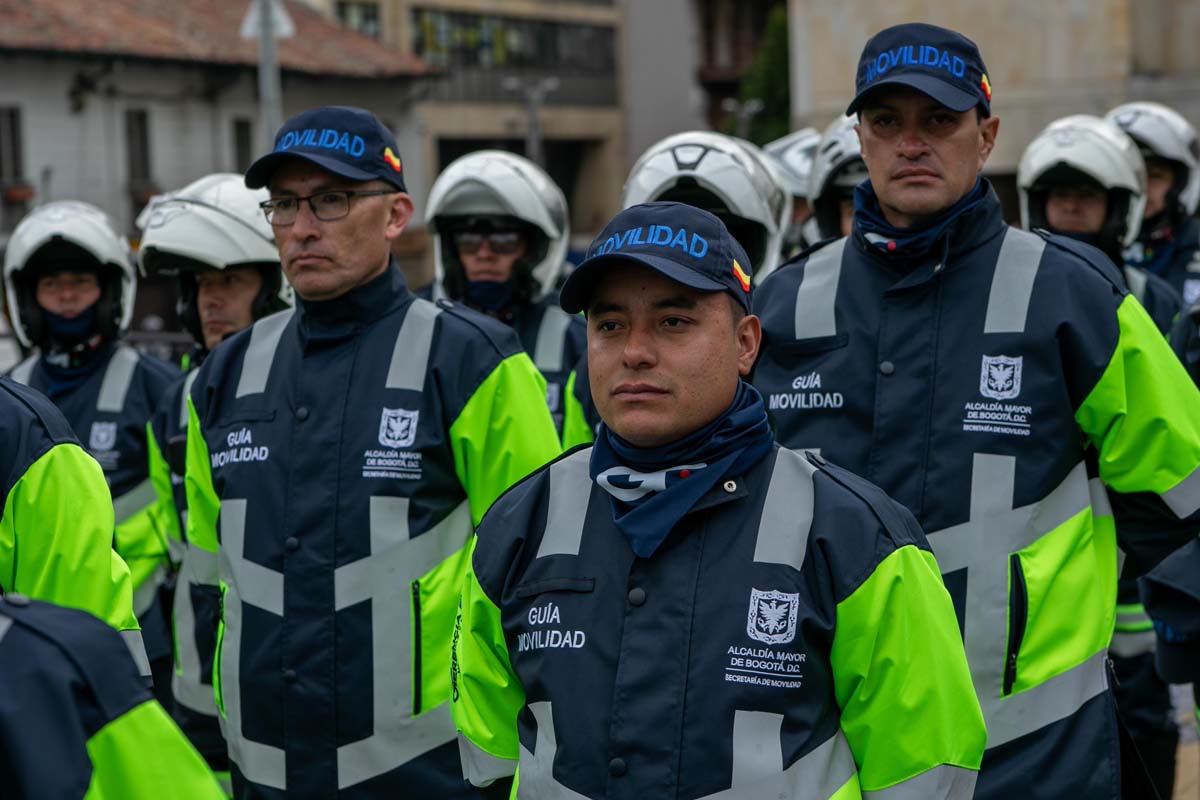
489, 295
651, 489
68, 332
913, 242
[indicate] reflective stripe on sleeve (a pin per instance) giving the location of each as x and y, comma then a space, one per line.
946, 782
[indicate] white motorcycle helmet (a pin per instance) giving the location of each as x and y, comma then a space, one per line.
1161, 131
63, 232
795, 153
214, 223
1085, 144
499, 188
837, 168
728, 177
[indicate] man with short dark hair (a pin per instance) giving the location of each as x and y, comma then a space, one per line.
995, 382
686, 609
338, 458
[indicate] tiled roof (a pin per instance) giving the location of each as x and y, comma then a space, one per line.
202, 31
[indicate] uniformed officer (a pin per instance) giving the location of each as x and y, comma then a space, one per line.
1084, 178
1168, 244
838, 169
76, 720
501, 231
338, 458
687, 609
794, 155
211, 236
993, 381
56, 523
70, 284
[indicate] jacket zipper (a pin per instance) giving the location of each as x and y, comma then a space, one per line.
416, 658
1018, 611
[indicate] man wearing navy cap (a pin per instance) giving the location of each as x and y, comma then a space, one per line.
995, 382
686, 609
339, 456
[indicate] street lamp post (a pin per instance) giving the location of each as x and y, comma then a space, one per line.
535, 94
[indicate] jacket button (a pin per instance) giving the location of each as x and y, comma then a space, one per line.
14, 599
289, 675
302, 413
730, 486
887, 368
291, 543
616, 767
637, 596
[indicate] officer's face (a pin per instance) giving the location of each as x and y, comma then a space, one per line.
324, 259
1076, 209
225, 300
921, 156
1160, 176
663, 359
489, 255
67, 294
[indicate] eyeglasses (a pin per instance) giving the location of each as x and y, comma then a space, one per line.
502, 243
326, 206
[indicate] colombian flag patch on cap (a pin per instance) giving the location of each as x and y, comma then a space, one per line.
741, 275
986, 85
391, 159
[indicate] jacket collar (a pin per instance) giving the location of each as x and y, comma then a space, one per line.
971, 231
345, 316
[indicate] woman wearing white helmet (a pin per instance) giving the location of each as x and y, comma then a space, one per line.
500, 241
1085, 179
70, 286
213, 237
1168, 242
730, 178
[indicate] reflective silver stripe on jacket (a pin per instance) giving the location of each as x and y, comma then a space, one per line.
137, 650
133, 501
1012, 282
480, 768
982, 546
1184, 499
145, 593
199, 568
946, 782
548, 352
1132, 645
246, 582
410, 355
24, 371
118, 377
260, 352
1136, 280
787, 512
817, 296
183, 398
570, 486
5, 624
385, 578
758, 769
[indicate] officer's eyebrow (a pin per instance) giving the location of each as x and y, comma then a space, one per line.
674, 301
335, 186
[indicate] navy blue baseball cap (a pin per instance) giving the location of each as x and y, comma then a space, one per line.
681, 242
938, 62
350, 142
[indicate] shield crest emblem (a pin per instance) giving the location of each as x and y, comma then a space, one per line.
1000, 377
772, 616
398, 427
103, 436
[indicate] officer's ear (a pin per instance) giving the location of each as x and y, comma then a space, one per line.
988, 127
749, 337
400, 211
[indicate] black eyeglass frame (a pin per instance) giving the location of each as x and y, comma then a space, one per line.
269, 208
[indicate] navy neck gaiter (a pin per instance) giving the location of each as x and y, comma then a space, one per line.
651, 489
908, 243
